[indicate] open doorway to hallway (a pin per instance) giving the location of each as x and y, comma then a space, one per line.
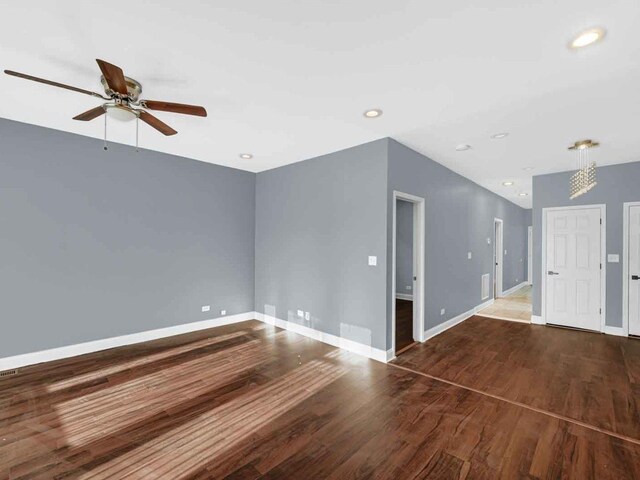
511, 302
407, 293
404, 275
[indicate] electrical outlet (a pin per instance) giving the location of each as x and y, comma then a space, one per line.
206, 308
408, 287
442, 311
488, 241
505, 252
300, 313
223, 312
307, 316
469, 255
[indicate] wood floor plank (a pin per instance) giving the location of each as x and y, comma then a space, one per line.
251, 401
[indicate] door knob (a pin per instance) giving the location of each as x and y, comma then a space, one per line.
552, 273
635, 277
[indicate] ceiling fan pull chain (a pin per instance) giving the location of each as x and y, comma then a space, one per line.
105, 131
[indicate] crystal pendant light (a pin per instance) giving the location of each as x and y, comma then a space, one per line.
585, 177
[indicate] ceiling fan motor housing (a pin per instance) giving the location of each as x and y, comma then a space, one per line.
134, 88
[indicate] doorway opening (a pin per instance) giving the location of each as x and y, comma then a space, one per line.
407, 293
511, 297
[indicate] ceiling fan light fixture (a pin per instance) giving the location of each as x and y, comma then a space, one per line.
120, 113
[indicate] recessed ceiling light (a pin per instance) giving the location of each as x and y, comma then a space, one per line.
527, 169
523, 194
587, 37
373, 113
246, 156
500, 135
507, 184
462, 147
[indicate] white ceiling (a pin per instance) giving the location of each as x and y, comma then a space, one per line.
289, 80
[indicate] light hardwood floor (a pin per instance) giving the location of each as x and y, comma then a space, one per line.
485, 399
516, 306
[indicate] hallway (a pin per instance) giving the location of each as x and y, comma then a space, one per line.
516, 307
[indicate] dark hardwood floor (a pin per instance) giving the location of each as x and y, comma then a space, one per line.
252, 401
588, 377
404, 324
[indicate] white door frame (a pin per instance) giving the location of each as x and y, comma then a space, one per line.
530, 255
625, 264
498, 279
603, 259
418, 266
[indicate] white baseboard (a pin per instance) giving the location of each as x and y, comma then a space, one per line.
452, 322
333, 340
618, 331
404, 296
59, 353
537, 320
514, 289
506, 319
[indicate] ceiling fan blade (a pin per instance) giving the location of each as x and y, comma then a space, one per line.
114, 76
175, 108
55, 84
90, 114
156, 123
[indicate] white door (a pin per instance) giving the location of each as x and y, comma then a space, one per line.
572, 270
634, 270
529, 255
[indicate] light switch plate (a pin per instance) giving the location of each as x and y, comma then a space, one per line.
613, 258
206, 308
373, 261
223, 312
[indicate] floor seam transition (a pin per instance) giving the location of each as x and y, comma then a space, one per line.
523, 405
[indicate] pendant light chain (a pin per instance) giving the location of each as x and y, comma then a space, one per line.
105, 130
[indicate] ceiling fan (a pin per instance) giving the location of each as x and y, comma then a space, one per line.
122, 95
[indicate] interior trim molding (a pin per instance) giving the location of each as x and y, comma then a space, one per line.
404, 296
618, 331
59, 353
515, 288
452, 322
537, 320
333, 340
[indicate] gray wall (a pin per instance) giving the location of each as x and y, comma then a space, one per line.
317, 221
404, 248
616, 184
459, 218
97, 244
